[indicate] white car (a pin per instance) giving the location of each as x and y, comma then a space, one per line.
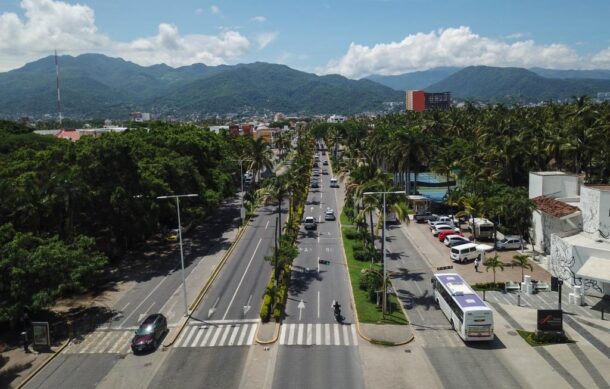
443, 227
329, 214
310, 223
334, 183
453, 240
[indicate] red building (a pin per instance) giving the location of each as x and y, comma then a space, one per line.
419, 101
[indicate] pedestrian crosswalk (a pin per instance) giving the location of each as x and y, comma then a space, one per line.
218, 334
101, 341
318, 334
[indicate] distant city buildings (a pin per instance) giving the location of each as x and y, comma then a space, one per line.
336, 119
139, 117
603, 96
419, 101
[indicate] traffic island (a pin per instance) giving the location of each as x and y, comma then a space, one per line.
534, 339
267, 333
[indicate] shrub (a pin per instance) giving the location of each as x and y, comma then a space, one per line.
361, 255
358, 245
351, 233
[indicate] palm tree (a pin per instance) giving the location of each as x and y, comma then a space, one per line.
261, 156
521, 261
494, 263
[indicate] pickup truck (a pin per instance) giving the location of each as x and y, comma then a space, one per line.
424, 217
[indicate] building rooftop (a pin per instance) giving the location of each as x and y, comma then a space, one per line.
553, 207
584, 240
604, 188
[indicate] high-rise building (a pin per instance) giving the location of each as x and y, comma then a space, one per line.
419, 101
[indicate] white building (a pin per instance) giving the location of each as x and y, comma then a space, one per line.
572, 224
336, 119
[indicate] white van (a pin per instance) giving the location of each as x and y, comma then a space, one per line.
464, 252
334, 183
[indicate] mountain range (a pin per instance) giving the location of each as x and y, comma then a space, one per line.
97, 86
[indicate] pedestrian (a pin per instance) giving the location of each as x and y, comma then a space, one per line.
476, 264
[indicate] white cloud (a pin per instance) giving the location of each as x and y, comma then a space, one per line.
48, 25
450, 47
215, 9
515, 35
199, 11
602, 59
265, 38
260, 19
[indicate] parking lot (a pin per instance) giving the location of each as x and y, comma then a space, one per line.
437, 255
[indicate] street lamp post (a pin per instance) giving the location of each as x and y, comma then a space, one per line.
242, 212
385, 289
177, 197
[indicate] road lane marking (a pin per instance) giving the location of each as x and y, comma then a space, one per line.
242, 278
318, 292
91, 340
318, 334
267, 225
291, 336
234, 335
224, 336
336, 333
345, 336
354, 336
309, 334
283, 335
252, 333
142, 302
240, 341
216, 335
208, 332
300, 336
200, 332
191, 333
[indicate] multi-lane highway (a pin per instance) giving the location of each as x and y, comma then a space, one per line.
315, 351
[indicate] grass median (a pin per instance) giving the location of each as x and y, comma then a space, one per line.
368, 312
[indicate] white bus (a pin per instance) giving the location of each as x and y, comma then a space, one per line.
467, 313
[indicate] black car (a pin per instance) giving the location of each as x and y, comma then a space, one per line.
325, 163
150, 333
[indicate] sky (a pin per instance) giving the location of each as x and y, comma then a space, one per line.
353, 38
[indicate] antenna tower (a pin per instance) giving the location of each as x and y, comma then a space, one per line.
58, 94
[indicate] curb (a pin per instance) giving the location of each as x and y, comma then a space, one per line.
207, 285
43, 365
276, 336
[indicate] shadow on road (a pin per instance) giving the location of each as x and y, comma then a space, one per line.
301, 278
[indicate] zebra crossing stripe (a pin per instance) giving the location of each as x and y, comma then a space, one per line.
208, 331
200, 332
291, 336
90, 341
181, 338
354, 336
217, 333
105, 343
300, 337
252, 333
345, 336
337, 340
327, 334
234, 335
227, 329
309, 334
243, 335
119, 343
192, 332
283, 335
318, 334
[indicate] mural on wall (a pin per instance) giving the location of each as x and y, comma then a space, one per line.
589, 205
563, 266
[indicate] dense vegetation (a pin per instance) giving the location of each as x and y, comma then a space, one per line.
490, 152
69, 208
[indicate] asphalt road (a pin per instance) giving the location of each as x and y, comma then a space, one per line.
456, 363
314, 350
213, 348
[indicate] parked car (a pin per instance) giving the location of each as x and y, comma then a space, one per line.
150, 333
316, 173
443, 234
324, 171
464, 252
325, 163
510, 243
315, 164
334, 183
315, 184
443, 227
442, 220
455, 240
310, 223
329, 214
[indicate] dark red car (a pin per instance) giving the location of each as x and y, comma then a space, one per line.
149, 334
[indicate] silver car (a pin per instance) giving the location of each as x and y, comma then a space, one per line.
510, 243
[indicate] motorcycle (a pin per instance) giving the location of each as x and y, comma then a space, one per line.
337, 310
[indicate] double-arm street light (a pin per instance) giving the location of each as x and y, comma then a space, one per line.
242, 212
177, 197
385, 289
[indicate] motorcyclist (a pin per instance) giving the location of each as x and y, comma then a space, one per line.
337, 308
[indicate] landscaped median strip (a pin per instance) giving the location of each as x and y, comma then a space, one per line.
276, 333
171, 339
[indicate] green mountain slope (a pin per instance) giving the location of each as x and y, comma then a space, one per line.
94, 85
514, 84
